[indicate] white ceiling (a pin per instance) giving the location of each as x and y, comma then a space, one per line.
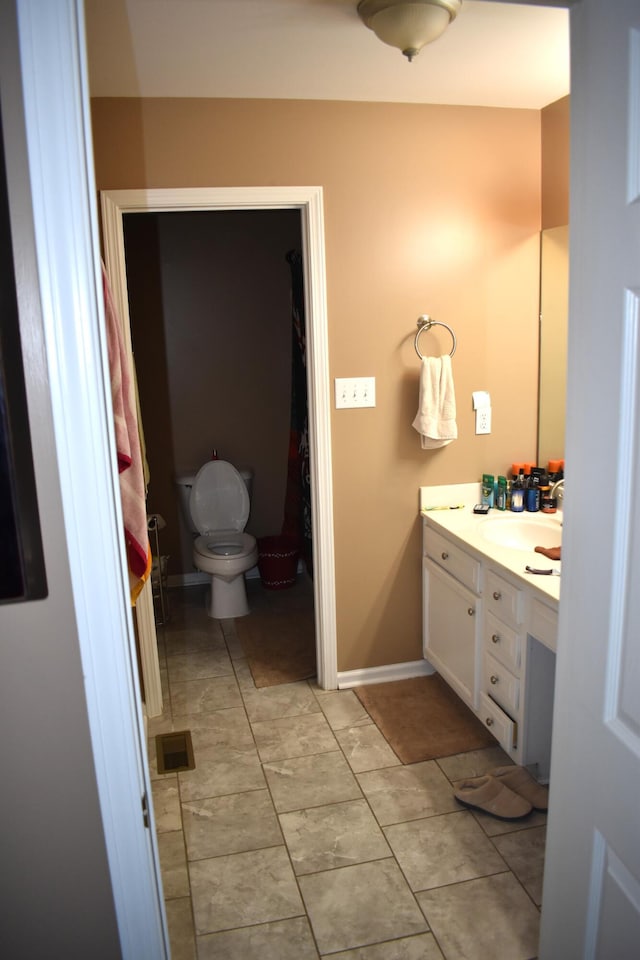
494, 54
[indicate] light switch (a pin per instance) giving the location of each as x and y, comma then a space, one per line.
355, 392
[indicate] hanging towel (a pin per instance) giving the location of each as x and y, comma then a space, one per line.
435, 420
130, 467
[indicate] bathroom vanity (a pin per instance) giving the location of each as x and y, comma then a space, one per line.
489, 626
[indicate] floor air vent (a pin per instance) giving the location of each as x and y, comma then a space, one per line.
174, 752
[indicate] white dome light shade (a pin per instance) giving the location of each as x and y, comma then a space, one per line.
408, 25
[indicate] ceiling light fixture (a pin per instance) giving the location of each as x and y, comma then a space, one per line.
408, 24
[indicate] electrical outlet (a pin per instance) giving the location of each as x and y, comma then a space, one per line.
483, 420
355, 392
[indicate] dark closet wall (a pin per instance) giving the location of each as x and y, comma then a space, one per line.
211, 327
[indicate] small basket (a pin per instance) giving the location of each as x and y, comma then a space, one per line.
278, 561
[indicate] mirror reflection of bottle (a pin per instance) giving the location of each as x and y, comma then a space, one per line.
517, 494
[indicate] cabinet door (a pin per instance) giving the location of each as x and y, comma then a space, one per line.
451, 631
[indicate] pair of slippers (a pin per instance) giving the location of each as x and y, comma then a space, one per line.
508, 793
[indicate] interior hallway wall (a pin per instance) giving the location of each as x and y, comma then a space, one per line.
211, 323
428, 209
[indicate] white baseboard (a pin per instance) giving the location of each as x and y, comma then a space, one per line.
196, 578
391, 671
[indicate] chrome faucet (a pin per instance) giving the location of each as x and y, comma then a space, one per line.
557, 490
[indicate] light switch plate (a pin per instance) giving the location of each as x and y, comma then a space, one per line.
355, 392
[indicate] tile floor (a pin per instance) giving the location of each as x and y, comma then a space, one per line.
300, 835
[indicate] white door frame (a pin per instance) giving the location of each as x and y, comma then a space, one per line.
114, 204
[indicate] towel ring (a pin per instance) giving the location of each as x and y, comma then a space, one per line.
425, 323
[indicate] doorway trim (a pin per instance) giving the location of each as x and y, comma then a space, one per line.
114, 204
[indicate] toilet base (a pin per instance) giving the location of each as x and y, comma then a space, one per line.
227, 599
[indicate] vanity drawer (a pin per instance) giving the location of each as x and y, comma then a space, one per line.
504, 642
504, 600
504, 729
500, 684
447, 555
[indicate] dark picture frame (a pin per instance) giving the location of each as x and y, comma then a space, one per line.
22, 569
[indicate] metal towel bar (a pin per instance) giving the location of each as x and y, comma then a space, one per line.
425, 323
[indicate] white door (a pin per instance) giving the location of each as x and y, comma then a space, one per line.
591, 906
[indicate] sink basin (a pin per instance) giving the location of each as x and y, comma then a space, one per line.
522, 533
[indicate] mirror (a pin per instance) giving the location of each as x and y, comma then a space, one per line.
554, 310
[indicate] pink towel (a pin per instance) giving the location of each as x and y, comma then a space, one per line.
132, 489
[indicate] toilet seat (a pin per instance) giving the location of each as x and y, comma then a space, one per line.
234, 547
219, 501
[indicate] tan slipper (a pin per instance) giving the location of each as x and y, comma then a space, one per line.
492, 796
521, 782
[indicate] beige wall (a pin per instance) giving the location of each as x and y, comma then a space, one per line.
428, 209
555, 164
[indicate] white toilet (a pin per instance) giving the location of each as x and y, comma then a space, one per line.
219, 509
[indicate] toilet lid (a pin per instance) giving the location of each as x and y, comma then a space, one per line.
219, 498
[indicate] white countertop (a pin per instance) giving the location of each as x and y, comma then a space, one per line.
469, 530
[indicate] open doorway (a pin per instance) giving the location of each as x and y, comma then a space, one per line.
216, 301
308, 204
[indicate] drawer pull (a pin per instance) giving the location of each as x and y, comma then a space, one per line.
497, 595
471, 611
494, 679
444, 555
489, 721
495, 638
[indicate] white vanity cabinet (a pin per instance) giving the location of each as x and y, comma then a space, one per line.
452, 614
491, 635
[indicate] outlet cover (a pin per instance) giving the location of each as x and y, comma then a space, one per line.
355, 392
483, 420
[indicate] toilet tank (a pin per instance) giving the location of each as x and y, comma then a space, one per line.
184, 482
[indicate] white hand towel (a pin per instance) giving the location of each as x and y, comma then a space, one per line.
435, 420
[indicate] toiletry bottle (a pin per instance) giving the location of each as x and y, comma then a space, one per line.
545, 490
517, 494
532, 497
488, 489
501, 498
214, 454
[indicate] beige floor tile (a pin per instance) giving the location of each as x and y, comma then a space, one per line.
282, 940
173, 862
334, 835
408, 792
342, 708
284, 700
361, 904
180, 926
310, 781
184, 638
204, 696
244, 675
524, 853
487, 918
243, 889
293, 737
365, 748
166, 805
232, 824
215, 778
220, 735
421, 947
475, 763
199, 665
443, 849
